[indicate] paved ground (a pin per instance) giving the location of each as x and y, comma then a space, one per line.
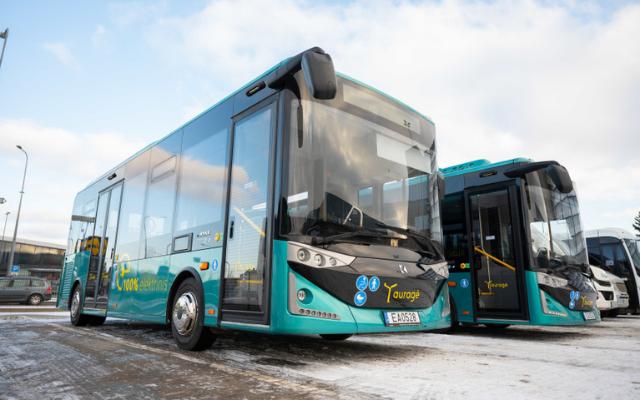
43, 356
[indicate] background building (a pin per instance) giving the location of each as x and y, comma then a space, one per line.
41, 259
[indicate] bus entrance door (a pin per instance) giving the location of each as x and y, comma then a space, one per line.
247, 250
499, 292
103, 248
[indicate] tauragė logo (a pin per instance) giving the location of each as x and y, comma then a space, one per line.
496, 285
584, 302
411, 295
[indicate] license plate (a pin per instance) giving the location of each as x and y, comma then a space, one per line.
589, 315
395, 318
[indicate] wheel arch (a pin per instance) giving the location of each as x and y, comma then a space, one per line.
75, 284
185, 274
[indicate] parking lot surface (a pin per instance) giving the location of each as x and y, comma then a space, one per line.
42, 356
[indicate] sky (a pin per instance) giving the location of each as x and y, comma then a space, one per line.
84, 85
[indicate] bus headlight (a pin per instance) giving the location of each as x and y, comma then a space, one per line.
552, 281
303, 255
314, 257
441, 269
319, 260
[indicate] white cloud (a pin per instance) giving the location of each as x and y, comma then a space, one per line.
500, 79
61, 163
61, 52
98, 35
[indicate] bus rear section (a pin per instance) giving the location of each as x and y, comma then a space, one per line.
515, 246
306, 203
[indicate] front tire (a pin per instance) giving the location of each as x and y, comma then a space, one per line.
35, 300
336, 336
75, 309
187, 317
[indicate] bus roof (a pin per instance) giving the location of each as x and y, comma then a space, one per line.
618, 233
244, 87
479, 165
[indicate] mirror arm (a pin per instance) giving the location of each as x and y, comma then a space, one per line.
276, 78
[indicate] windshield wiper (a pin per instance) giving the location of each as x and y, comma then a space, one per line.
316, 240
432, 253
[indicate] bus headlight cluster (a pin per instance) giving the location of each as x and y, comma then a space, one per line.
314, 257
303, 255
552, 281
441, 269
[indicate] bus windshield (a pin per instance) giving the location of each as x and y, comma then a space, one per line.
554, 221
363, 169
634, 252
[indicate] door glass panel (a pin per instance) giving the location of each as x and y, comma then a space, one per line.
109, 242
493, 249
94, 244
247, 225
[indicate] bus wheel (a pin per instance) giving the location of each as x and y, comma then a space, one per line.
187, 317
336, 336
75, 310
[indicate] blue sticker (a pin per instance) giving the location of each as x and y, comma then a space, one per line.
575, 295
374, 283
572, 304
360, 298
362, 282
464, 283
214, 265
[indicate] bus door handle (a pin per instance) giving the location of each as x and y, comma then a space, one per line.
232, 224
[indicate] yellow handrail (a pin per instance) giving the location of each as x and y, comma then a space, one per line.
492, 258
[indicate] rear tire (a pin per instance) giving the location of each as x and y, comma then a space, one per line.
75, 309
35, 300
336, 336
187, 317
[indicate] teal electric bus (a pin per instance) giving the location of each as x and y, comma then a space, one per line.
304, 203
515, 246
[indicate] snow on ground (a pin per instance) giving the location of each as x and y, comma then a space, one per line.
591, 362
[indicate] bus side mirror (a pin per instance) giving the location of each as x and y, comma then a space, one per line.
560, 177
318, 71
319, 74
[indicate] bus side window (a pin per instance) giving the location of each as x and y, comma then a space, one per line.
131, 209
202, 191
161, 194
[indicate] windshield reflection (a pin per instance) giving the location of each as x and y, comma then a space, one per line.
554, 220
352, 170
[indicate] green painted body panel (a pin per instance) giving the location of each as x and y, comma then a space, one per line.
352, 319
463, 299
140, 289
539, 317
479, 165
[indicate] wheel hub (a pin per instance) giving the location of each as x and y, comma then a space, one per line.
75, 303
185, 312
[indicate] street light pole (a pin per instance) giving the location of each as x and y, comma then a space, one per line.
4, 244
3, 35
15, 228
